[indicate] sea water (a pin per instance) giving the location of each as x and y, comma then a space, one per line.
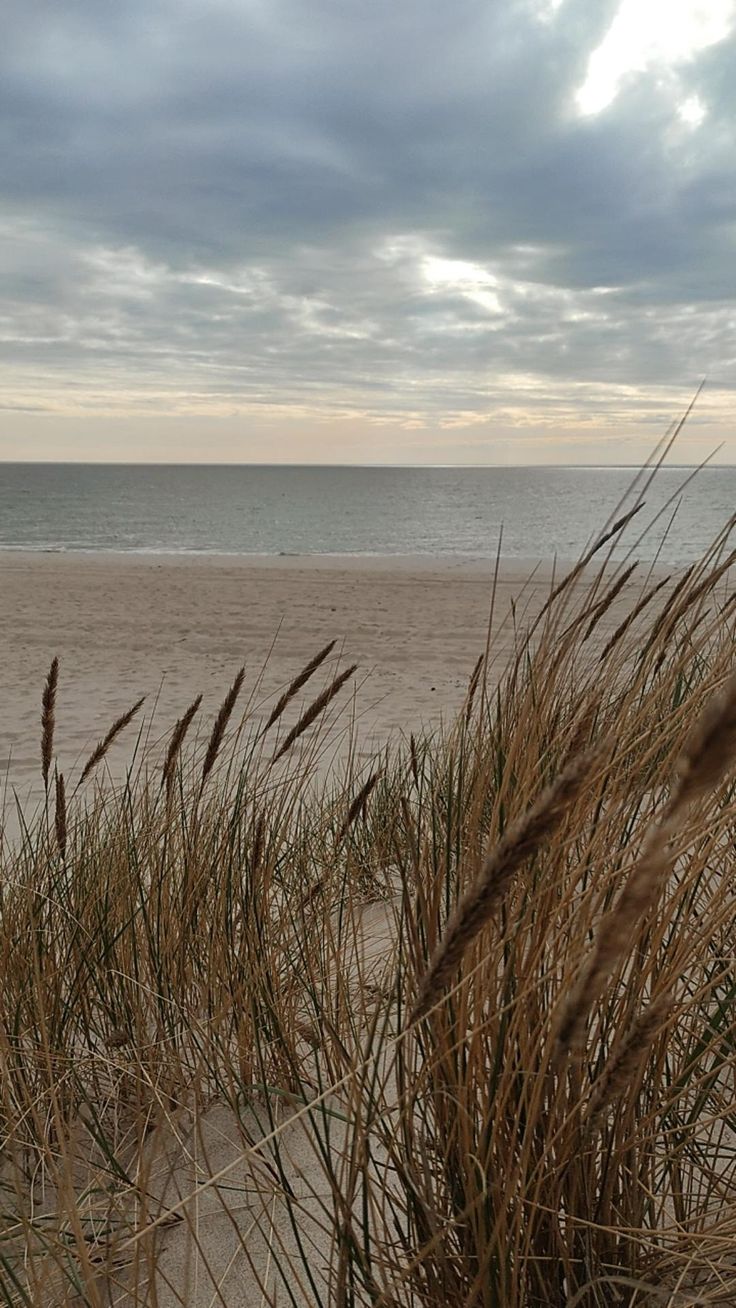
247, 510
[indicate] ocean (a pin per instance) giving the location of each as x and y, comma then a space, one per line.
341, 510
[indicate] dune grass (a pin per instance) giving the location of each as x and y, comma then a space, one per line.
454, 1028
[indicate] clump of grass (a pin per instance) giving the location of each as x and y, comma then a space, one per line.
282, 1040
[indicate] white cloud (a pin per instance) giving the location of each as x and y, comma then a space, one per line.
651, 35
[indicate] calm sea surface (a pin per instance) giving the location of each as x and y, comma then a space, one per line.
277, 510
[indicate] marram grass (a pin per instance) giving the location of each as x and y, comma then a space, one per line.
457, 1029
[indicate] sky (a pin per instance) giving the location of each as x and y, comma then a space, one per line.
334, 231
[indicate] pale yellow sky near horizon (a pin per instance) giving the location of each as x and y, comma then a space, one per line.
288, 438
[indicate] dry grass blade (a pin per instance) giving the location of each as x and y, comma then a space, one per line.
176, 742
663, 618
296, 685
314, 710
519, 843
259, 841
707, 755
60, 814
414, 760
607, 600
639, 608
617, 527
473, 687
221, 721
119, 725
623, 1064
48, 720
582, 731
359, 803
708, 583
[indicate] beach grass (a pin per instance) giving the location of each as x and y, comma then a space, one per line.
456, 1026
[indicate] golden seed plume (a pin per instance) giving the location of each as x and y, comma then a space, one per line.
705, 586
314, 710
48, 720
301, 680
624, 1062
60, 814
607, 600
521, 840
662, 620
175, 744
414, 759
473, 687
358, 805
583, 563
675, 613
633, 615
119, 725
221, 721
583, 729
710, 747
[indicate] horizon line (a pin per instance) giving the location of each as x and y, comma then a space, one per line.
409, 467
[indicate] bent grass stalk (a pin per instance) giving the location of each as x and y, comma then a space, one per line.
101, 750
314, 711
298, 683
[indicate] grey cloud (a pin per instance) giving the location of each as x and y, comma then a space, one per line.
204, 197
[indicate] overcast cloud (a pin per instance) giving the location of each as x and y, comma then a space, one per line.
386, 226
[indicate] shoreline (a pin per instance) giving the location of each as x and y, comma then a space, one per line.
512, 569
363, 560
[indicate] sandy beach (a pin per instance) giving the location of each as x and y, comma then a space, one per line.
169, 627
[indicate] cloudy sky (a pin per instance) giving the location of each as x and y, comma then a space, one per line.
444, 231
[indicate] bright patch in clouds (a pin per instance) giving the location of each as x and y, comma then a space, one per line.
468, 279
652, 34
692, 111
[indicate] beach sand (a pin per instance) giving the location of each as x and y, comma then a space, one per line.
169, 627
